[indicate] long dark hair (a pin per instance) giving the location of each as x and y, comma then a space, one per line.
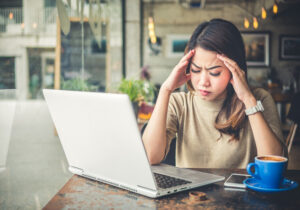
223, 37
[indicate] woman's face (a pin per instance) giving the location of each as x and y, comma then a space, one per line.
209, 75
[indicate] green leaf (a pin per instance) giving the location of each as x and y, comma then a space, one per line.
77, 84
137, 90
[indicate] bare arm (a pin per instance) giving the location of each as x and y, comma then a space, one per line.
154, 136
266, 141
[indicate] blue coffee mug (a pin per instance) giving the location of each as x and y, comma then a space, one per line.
268, 170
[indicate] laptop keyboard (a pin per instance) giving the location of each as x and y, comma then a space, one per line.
164, 181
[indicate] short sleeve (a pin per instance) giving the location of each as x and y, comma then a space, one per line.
271, 115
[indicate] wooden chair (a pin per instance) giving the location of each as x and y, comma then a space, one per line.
291, 136
294, 116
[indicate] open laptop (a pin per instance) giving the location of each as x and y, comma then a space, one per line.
101, 140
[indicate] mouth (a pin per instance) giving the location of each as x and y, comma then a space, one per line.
204, 92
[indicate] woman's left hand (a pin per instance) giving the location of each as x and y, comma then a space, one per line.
238, 79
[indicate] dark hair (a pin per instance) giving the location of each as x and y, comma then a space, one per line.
223, 37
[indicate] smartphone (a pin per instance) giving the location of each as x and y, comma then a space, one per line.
236, 180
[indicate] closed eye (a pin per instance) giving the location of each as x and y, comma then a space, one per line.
195, 71
215, 74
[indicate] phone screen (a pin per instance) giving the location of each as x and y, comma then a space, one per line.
236, 180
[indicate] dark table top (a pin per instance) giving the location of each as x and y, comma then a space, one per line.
83, 193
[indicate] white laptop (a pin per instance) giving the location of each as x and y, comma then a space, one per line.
101, 140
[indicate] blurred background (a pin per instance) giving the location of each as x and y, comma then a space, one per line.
104, 45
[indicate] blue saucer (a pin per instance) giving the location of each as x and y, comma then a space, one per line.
286, 185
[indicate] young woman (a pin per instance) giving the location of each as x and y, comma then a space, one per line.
210, 121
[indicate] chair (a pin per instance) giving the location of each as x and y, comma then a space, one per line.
294, 116
171, 156
291, 136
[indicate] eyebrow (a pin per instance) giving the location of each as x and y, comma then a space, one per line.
210, 68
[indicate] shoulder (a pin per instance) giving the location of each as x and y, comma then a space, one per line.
179, 97
267, 100
262, 94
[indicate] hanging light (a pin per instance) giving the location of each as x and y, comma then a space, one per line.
255, 23
246, 23
11, 16
263, 13
151, 30
150, 24
275, 8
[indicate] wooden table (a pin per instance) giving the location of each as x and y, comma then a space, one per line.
82, 193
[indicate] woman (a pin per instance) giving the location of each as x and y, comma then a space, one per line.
209, 121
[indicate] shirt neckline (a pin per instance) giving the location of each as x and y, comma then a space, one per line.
214, 105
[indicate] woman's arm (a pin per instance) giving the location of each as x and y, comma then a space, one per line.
266, 141
154, 136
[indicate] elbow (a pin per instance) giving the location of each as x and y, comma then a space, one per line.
154, 159
154, 162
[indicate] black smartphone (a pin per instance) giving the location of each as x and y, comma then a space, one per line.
236, 180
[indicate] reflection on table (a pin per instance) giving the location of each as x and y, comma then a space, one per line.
82, 193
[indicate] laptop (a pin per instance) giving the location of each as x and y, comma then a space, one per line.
101, 141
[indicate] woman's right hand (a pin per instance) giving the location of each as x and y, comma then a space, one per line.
178, 75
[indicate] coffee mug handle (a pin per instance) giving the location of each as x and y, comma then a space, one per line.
255, 174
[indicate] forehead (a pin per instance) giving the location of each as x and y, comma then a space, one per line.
205, 58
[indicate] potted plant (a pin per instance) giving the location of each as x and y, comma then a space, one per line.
77, 84
138, 91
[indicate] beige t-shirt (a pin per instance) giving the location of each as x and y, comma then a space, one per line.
200, 145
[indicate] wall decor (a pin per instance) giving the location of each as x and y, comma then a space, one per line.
257, 47
289, 47
175, 45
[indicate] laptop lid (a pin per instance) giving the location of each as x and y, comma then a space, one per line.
100, 136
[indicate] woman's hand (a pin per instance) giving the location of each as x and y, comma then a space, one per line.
178, 75
238, 80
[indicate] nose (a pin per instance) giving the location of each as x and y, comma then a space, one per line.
204, 79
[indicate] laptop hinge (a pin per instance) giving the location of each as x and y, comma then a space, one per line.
75, 170
146, 188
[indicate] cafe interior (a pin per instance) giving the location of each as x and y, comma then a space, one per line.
120, 46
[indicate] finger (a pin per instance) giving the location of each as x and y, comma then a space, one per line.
187, 56
234, 69
182, 65
228, 60
231, 68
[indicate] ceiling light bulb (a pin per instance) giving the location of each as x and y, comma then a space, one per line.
151, 33
246, 23
153, 39
255, 23
151, 26
11, 15
275, 8
263, 13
